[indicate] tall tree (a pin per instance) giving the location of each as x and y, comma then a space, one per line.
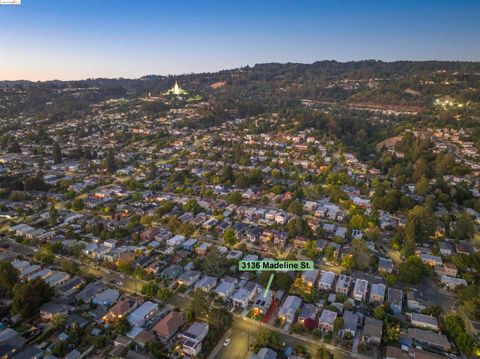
110, 162
29, 297
9, 276
56, 153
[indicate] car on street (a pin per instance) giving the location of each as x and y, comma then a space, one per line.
226, 342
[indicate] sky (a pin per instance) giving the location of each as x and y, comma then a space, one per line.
78, 39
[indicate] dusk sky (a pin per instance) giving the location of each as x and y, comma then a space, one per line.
76, 39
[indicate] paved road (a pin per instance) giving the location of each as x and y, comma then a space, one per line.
243, 333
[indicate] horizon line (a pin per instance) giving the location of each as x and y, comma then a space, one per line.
234, 68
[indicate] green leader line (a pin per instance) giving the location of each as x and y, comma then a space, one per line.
270, 280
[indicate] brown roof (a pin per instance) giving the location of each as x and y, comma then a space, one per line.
144, 337
123, 306
169, 325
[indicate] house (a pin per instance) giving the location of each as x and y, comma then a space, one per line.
308, 311
350, 323
90, 290
176, 241
300, 242
206, 284
326, 281
343, 284
288, 310
106, 298
360, 290
385, 265
429, 340
310, 206
57, 279
42, 274
398, 353
121, 309
414, 303
10, 342
261, 303
29, 353
395, 300
452, 282
188, 278
431, 260
193, 337
50, 309
309, 277
26, 272
447, 269
149, 234
140, 316
446, 248
71, 286
243, 296
423, 321
225, 289
325, 322
377, 293
372, 331
202, 248
144, 338
233, 254
189, 244
264, 353
167, 327
172, 272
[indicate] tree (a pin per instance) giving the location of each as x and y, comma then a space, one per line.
200, 304
45, 255
9, 276
412, 271
295, 207
422, 186
156, 350
124, 266
234, 198
358, 221
379, 312
323, 353
110, 162
311, 249
29, 297
78, 204
433, 310
220, 318
455, 327
69, 266
298, 227
214, 264
58, 321
192, 206
164, 294
227, 174
269, 339
361, 255
56, 153
408, 245
122, 326
229, 237
421, 224
464, 228
150, 290
337, 324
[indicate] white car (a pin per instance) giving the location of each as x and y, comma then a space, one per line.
226, 342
